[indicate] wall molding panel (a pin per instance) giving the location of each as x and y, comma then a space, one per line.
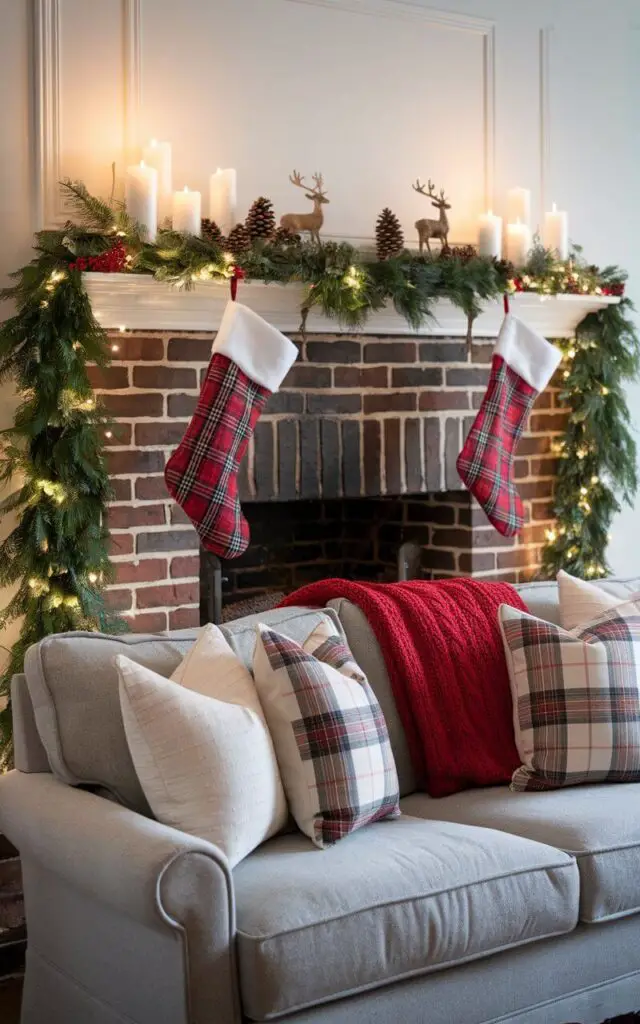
399, 10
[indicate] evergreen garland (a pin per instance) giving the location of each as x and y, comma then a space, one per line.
56, 558
597, 465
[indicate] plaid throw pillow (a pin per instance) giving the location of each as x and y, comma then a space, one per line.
329, 734
576, 698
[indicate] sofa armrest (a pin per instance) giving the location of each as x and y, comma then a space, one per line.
146, 878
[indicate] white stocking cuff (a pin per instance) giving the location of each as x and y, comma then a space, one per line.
530, 355
259, 349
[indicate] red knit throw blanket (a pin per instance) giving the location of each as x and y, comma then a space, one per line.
443, 651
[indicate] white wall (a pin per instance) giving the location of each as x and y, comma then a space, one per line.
479, 95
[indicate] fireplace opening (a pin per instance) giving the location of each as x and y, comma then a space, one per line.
372, 539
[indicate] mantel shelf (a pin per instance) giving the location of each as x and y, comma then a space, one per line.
139, 302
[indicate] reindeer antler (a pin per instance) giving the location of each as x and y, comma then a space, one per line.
297, 179
431, 193
319, 180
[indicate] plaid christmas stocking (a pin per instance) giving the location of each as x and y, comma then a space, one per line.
523, 364
249, 361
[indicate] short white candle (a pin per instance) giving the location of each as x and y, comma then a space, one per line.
158, 155
223, 199
518, 243
490, 235
519, 206
187, 212
556, 232
141, 197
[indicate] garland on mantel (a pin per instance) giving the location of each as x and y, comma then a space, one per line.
56, 559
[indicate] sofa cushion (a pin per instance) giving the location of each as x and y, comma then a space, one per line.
542, 598
366, 651
73, 685
395, 900
592, 823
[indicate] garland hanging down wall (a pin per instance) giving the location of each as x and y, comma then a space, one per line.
56, 558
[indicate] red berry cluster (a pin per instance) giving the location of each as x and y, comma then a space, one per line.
113, 261
614, 289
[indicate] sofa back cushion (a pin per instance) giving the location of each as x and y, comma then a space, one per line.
543, 601
73, 685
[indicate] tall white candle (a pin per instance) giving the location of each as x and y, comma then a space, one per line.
158, 155
223, 199
187, 212
490, 235
518, 243
556, 232
519, 206
141, 197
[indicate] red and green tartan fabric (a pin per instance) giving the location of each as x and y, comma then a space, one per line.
522, 366
249, 362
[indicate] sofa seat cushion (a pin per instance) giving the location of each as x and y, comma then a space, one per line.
598, 825
391, 901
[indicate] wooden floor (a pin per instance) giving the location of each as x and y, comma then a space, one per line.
10, 994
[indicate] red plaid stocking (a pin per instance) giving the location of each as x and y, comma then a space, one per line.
523, 364
249, 362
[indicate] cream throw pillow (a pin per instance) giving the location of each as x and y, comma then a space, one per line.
201, 747
581, 601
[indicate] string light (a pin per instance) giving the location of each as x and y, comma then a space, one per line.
604, 390
551, 536
93, 577
584, 492
115, 348
108, 434
595, 480
353, 278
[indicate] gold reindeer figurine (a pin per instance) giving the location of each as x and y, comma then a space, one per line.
428, 228
311, 222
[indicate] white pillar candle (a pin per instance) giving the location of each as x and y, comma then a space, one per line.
519, 206
187, 212
141, 197
518, 243
556, 232
158, 155
490, 235
223, 199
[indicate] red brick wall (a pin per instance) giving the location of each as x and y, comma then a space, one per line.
356, 416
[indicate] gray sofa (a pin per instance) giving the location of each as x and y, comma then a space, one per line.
485, 906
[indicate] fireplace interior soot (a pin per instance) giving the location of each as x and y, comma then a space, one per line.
374, 539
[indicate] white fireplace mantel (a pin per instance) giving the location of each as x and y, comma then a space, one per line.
139, 302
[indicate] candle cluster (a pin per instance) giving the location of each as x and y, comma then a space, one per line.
517, 235
150, 198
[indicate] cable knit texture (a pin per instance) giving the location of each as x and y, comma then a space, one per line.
443, 651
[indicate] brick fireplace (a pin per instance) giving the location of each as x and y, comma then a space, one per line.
352, 458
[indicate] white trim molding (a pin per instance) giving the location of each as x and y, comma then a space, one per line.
139, 302
47, 204
545, 115
132, 56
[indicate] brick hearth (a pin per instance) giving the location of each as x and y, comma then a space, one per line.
356, 417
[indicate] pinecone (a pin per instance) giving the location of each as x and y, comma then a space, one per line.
238, 240
261, 221
210, 231
389, 237
284, 236
464, 253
